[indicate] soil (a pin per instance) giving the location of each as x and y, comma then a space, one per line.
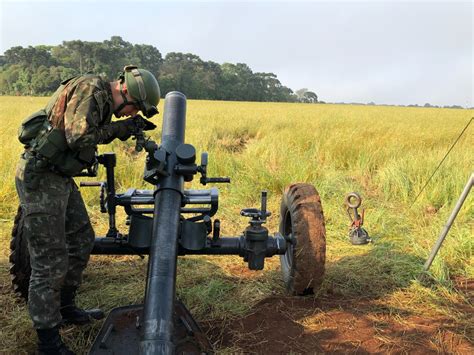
333, 325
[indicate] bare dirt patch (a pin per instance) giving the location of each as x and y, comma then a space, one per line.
308, 325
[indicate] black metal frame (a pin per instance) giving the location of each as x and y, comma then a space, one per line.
167, 233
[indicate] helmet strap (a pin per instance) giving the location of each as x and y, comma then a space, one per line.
124, 103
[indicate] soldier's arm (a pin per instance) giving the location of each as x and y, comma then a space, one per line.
82, 122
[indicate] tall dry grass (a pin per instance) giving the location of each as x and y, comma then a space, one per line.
384, 153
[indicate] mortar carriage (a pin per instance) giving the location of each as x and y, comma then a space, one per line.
168, 221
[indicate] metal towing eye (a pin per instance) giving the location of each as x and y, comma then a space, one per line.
357, 234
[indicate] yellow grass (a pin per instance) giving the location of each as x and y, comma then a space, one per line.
384, 153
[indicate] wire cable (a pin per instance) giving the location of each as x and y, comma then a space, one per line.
441, 162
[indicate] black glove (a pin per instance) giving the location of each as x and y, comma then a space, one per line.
123, 129
143, 123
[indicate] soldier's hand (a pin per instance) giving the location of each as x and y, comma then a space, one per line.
148, 125
124, 128
143, 123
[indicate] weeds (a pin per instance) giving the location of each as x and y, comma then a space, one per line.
384, 153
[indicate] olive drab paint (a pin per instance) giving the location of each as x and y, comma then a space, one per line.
143, 88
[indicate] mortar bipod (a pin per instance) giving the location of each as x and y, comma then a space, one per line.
357, 234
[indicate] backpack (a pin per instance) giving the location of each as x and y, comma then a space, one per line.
32, 126
37, 133
38, 122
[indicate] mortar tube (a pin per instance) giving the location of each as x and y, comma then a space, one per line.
161, 281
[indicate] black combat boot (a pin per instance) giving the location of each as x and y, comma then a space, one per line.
74, 315
50, 342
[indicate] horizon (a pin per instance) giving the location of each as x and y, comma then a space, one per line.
383, 52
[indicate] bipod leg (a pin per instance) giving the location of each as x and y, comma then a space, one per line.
449, 223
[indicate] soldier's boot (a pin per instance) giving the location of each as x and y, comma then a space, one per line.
50, 342
72, 314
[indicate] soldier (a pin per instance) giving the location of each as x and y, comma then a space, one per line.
56, 225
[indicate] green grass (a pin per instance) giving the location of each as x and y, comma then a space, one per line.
384, 153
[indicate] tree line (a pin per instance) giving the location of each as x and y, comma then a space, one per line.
39, 70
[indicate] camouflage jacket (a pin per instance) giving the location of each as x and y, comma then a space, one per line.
82, 107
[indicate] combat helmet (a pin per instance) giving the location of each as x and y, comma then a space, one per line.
142, 87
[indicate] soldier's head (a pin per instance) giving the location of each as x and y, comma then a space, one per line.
136, 90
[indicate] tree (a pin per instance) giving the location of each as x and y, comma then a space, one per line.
303, 95
8, 78
300, 94
310, 97
30, 57
146, 56
23, 84
237, 82
189, 74
39, 70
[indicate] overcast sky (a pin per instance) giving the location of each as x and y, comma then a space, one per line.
394, 52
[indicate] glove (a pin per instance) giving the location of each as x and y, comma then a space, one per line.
148, 125
124, 129
143, 123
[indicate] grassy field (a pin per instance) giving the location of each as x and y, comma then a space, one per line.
384, 153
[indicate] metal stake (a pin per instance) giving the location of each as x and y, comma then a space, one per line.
449, 223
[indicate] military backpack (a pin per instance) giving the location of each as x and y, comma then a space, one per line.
49, 143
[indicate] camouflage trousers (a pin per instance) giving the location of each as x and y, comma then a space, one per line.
59, 237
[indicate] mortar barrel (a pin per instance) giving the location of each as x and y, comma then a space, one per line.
174, 120
161, 279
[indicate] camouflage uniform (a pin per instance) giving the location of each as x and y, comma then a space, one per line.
56, 225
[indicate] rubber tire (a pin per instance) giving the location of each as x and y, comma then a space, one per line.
301, 216
20, 268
